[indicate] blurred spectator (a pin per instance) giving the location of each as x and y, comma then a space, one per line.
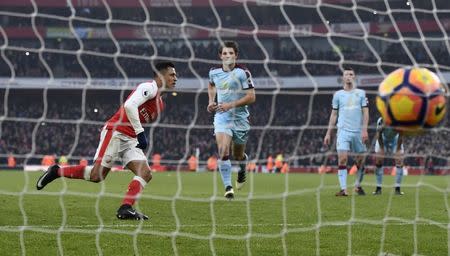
11, 161
269, 164
211, 163
251, 166
285, 168
279, 162
63, 161
48, 160
292, 118
193, 163
156, 163
83, 161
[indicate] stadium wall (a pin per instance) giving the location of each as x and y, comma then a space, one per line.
191, 83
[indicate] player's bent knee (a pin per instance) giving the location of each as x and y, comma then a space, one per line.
96, 178
146, 174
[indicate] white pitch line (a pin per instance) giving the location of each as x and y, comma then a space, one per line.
292, 225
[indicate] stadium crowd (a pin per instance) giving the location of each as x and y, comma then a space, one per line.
41, 122
275, 54
284, 58
286, 125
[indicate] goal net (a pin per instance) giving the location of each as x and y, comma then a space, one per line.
67, 66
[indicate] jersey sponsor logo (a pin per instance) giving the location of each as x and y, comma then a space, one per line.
145, 115
225, 86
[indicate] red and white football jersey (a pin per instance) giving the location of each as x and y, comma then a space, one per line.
142, 106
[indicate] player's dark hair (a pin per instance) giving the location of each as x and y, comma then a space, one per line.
348, 68
161, 66
229, 44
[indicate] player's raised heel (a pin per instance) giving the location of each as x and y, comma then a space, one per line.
229, 193
360, 191
50, 175
126, 212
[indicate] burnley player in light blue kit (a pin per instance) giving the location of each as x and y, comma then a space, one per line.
350, 109
390, 142
234, 88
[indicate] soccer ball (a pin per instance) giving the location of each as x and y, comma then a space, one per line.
411, 99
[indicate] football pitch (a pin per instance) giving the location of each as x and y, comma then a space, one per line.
295, 214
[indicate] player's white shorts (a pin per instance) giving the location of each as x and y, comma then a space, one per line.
350, 141
115, 146
390, 147
237, 128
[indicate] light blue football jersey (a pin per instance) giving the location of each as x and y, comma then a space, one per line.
231, 86
389, 137
349, 105
388, 134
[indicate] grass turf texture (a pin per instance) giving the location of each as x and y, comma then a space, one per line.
273, 214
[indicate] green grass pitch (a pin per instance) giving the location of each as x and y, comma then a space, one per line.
296, 214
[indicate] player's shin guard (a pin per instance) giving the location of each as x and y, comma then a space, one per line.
72, 172
243, 163
379, 175
398, 175
134, 189
242, 172
342, 175
359, 176
225, 171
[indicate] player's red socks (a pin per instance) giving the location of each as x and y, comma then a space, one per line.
134, 189
73, 172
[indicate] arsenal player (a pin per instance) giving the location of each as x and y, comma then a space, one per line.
123, 139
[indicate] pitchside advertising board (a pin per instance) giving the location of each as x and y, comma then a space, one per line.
192, 83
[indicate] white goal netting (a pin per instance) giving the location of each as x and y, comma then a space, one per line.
66, 66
